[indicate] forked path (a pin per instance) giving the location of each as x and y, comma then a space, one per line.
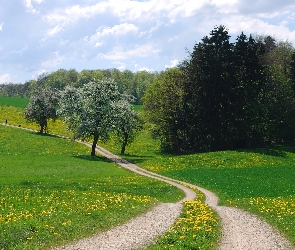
240, 230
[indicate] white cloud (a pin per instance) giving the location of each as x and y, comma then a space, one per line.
117, 30
122, 33
53, 62
64, 42
138, 67
140, 51
155, 28
188, 8
173, 63
21, 51
29, 5
98, 44
4, 78
270, 7
121, 66
128, 10
53, 31
237, 24
171, 39
78, 12
73, 14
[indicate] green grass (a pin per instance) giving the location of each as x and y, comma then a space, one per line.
260, 180
197, 227
52, 191
14, 101
137, 107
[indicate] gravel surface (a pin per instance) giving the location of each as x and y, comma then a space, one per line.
136, 233
240, 230
142, 230
244, 231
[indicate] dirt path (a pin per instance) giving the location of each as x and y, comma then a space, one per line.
240, 230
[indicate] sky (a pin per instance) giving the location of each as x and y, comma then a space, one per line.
39, 36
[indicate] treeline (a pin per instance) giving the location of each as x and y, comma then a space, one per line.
225, 95
131, 83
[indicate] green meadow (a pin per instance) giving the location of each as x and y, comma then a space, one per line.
259, 180
14, 101
52, 191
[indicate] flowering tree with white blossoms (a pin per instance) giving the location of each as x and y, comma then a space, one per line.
127, 123
42, 106
90, 111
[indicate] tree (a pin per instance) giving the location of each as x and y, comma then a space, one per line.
42, 106
225, 95
279, 98
89, 111
164, 107
127, 122
58, 79
211, 69
250, 83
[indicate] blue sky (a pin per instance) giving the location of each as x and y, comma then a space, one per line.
38, 36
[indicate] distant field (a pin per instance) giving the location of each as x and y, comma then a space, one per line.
23, 102
14, 101
137, 107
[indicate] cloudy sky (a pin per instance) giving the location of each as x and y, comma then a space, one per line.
38, 36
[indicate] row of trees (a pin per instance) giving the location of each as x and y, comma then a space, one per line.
132, 83
94, 110
225, 95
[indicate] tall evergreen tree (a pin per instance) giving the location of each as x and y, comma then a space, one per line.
229, 96
211, 70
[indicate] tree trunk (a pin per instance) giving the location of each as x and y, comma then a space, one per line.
123, 148
41, 129
124, 144
95, 140
43, 125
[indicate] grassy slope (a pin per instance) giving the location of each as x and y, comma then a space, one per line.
51, 191
260, 180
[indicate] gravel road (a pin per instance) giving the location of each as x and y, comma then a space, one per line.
240, 230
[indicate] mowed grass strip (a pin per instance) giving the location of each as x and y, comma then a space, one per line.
260, 180
52, 191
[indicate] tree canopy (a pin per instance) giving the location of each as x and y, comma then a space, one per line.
128, 82
42, 106
92, 110
225, 95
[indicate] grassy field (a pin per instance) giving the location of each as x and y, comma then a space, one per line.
14, 101
197, 226
260, 180
52, 191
